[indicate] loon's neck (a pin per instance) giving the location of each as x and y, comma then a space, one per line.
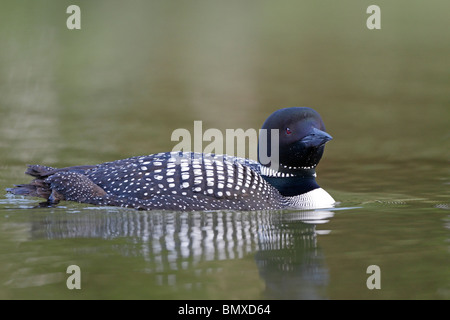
290, 185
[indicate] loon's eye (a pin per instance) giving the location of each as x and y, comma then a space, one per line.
288, 131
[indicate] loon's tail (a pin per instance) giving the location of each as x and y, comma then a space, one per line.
53, 185
38, 187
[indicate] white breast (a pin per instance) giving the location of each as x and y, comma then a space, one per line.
315, 199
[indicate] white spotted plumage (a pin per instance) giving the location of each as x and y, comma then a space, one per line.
206, 182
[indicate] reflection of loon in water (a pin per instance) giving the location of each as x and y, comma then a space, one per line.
284, 243
290, 262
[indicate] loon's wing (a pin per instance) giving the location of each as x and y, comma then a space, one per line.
185, 181
168, 181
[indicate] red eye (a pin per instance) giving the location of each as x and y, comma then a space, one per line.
288, 131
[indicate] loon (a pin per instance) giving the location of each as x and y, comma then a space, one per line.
189, 181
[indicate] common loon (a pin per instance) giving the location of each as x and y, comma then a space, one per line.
190, 181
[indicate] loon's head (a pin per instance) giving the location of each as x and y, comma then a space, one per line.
301, 139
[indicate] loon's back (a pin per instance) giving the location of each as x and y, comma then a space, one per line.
186, 181
169, 181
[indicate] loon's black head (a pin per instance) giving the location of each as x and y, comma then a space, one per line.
301, 139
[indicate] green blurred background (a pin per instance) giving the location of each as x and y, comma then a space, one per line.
138, 70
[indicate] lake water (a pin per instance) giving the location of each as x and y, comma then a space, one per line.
136, 72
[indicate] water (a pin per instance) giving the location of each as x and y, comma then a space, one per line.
119, 87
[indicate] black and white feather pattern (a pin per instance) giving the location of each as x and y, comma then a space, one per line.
173, 180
